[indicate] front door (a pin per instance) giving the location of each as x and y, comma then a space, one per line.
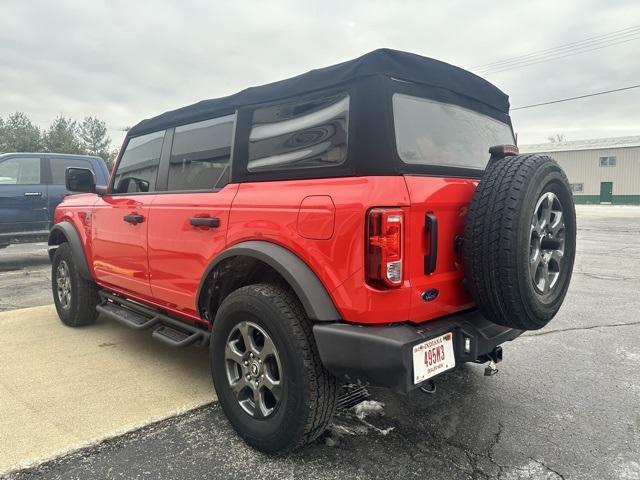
121, 218
120, 242
23, 197
606, 192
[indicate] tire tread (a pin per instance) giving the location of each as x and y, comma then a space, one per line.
83, 311
491, 239
322, 391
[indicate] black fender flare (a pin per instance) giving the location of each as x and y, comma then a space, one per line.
71, 235
314, 297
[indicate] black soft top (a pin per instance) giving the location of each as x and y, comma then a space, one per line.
393, 64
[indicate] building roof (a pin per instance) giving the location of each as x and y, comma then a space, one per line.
592, 144
385, 62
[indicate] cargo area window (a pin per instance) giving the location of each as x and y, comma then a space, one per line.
297, 135
138, 169
435, 133
200, 155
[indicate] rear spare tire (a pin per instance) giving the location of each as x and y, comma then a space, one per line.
520, 241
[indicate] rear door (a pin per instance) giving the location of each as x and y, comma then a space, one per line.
121, 218
57, 167
23, 196
188, 222
437, 218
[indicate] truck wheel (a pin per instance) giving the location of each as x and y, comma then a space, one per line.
75, 298
267, 372
520, 241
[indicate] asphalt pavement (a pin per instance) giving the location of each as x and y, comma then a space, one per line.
25, 276
565, 403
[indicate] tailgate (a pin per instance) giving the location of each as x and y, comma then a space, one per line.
438, 211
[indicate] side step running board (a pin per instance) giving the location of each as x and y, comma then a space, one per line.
171, 331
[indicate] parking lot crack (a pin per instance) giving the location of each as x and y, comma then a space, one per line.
573, 329
544, 465
474, 470
615, 278
492, 446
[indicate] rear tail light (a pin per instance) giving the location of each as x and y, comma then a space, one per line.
384, 247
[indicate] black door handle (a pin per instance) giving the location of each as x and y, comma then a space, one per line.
133, 218
431, 225
212, 222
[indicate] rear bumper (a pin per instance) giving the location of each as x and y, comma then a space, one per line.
382, 355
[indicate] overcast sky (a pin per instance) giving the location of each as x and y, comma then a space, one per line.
123, 61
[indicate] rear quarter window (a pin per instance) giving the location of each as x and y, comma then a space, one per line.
435, 133
298, 135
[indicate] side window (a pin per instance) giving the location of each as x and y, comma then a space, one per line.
20, 171
59, 167
200, 155
304, 134
138, 169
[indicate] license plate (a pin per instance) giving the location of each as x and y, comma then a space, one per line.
433, 357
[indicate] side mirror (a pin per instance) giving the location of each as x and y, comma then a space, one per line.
132, 185
80, 180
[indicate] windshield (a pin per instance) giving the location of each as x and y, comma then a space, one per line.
435, 133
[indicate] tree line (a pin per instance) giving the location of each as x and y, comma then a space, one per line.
65, 135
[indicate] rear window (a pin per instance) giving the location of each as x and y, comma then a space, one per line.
296, 135
59, 167
138, 169
435, 133
200, 155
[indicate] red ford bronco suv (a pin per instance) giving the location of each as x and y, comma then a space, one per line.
367, 221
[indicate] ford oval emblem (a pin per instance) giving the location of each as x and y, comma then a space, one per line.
429, 295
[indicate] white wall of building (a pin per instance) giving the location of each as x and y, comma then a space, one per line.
583, 166
582, 162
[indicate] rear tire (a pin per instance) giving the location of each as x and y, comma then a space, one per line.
305, 393
520, 240
75, 298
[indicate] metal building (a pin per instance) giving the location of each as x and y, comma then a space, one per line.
604, 170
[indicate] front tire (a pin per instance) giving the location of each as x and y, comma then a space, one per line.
267, 371
75, 298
